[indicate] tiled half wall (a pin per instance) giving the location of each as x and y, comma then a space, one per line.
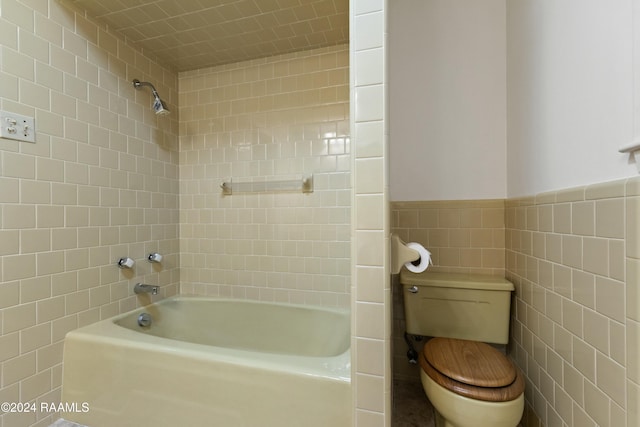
574, 256
463, 236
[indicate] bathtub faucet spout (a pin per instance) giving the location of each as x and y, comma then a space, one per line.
141, 288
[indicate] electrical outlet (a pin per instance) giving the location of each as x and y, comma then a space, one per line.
18, 127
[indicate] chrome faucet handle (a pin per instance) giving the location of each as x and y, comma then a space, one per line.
126, 262
155, 257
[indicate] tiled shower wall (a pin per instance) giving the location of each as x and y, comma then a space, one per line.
574, 257
100, 183
273, 119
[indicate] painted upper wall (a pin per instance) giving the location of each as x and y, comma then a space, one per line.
570, 93
564, 69
447, 65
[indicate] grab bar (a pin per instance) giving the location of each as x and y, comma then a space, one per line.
304, 184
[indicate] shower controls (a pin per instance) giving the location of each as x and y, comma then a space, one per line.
126, 262
155, 257
18, 127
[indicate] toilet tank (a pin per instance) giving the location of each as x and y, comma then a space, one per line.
466, 306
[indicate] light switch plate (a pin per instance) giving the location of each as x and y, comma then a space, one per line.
18, 127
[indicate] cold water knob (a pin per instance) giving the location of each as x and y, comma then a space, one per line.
155, 257
126, 262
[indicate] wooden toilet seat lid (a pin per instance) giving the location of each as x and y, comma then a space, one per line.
470, 362
471, 367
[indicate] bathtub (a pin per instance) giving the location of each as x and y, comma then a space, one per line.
211, 362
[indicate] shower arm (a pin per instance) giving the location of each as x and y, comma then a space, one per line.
137, 83
159, 106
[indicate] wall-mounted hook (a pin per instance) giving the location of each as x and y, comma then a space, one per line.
633, 149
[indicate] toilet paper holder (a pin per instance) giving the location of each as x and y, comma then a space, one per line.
401, 254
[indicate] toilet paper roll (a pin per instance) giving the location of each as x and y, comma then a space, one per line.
421, 264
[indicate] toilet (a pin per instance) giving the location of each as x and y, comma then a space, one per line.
469, 382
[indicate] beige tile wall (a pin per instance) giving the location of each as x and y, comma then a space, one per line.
463, 236
573, 256
78, 77
371, 292
74, 77
100, 183
270, 119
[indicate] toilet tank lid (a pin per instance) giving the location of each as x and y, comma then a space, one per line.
456, 280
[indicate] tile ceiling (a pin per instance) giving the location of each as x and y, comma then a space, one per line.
191, 34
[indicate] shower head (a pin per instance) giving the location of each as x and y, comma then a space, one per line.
158, 105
